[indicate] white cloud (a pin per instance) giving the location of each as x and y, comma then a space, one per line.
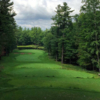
32, 13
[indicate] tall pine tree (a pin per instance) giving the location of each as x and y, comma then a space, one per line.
62, 21
7, 26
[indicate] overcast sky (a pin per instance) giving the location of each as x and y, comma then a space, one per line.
38, 13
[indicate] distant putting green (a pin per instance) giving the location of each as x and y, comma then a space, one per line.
32, 75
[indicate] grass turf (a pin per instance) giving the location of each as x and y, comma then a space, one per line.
32, 75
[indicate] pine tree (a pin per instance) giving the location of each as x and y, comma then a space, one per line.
54, 42
62, 20
7, 26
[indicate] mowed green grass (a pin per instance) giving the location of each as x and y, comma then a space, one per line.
32, 75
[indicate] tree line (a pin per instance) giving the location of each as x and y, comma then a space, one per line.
76, 39
33, 36
7, 27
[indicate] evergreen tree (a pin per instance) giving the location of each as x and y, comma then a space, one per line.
7, 26
54, 42
47, 42
89, 46
62, 20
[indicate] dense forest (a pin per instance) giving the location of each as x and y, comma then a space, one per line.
71, 39
76, 39
26, 36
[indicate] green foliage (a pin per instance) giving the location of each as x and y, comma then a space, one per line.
7, 26
89, 35
29, 36
22, 36
47, 42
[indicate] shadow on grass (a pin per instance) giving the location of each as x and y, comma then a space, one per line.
48, 94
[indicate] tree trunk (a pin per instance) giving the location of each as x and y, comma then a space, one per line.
93, 67
56, 57
62, 56
97, 54
96, 38
0, 57
49, 52
99, 69
70, 61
